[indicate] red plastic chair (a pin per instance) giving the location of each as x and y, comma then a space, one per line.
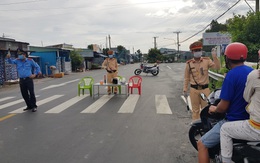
135, 82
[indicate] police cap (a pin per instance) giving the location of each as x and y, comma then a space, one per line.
196, 45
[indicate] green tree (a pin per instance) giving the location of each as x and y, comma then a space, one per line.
217, 27
90, 46
245, 29
120, 48
105, 51
76, 60
139, 54
154, 55
121, 54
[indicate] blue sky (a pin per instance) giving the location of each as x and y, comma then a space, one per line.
131, 23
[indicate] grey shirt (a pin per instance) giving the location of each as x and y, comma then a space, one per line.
252, 95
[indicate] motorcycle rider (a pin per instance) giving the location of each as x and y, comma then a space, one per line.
246, 129
196, 74
232, 102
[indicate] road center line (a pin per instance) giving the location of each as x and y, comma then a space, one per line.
6, 117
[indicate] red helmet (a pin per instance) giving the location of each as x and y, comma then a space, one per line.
236, 51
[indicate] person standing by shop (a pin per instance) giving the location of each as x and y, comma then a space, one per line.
27, 70
196, 76
110, 64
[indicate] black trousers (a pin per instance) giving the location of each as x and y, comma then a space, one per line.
27, 90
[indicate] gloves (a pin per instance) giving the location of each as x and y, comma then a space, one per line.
214, 52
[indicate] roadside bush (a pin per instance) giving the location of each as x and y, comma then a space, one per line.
95, 66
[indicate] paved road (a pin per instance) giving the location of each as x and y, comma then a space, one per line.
77, 129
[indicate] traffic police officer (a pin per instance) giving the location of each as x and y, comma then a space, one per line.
196, 76
27, 70
110, 64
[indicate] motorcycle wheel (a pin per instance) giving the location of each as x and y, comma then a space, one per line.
155, 72
137, 71
195, 133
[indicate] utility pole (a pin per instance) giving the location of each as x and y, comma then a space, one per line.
178, 43
155, 45
256, 5
106, 42
109, 41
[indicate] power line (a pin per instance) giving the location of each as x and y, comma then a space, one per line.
210, 22
16, 3
249, 6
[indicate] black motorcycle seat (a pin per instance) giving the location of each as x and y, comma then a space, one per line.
148, 66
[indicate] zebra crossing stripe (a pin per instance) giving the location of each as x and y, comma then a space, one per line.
129, 104
59, 85
162, 105
20, 110
93, 108
66, 104
13, 103
6, 98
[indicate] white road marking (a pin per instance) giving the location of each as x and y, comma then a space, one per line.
59, 85
66, 104
12, 103
6, 98
169, 67
93, 108
129, 104
20, 110
162, 105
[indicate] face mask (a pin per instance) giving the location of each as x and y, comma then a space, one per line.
21, 57
110, 56
197, 54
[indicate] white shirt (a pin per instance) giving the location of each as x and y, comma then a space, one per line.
252, 95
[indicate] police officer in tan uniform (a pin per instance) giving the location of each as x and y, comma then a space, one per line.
197, 77
110, 64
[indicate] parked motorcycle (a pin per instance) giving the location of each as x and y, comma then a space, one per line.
147, 69
243, 151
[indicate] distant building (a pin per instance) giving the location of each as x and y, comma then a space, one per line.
57, 55
8, 72
62, 46
166, 51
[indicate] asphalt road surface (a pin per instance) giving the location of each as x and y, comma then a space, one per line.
151, 128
